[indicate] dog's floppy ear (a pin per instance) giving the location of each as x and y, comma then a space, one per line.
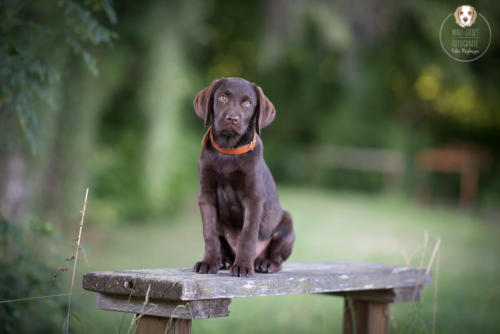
204, 101
264, 112
474, 15
456, 14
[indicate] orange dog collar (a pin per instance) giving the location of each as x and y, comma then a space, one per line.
232, 151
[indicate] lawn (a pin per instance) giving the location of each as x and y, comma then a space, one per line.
329, 226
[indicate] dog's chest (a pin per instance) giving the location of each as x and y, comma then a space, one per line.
228, 167
229, 201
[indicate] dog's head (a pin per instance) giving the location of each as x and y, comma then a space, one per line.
234, 105
465, 16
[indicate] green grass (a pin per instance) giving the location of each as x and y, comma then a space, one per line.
329, 226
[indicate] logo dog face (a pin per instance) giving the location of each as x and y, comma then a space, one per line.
465, 16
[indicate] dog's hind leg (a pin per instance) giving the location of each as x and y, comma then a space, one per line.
280, 247
227, 254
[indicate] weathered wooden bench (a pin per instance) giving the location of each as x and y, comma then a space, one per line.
166, 300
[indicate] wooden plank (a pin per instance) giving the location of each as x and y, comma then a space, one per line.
295, 278
359, 158
396, 295
198, 309
154, 325
364, 317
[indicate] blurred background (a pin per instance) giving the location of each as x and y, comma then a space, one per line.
380, 139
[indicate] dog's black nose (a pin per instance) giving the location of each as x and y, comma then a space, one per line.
232, 119
465, 18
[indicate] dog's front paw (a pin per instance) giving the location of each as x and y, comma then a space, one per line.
226, 263
266, 266
238, 270
206, 268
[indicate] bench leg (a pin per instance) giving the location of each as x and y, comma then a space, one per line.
157, 325
365, 317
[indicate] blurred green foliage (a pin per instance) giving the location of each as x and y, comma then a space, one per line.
37, 41
27, 264
335, 77
32, 50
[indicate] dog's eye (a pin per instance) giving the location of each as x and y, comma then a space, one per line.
461, 13
222, 98
247, 103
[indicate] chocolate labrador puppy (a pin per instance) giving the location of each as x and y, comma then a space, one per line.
244, 227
